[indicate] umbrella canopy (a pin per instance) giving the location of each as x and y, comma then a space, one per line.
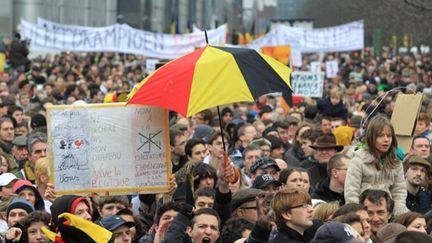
212, 76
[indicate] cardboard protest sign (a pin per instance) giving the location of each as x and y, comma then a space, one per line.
403, 121
109, 148
332, 69
308, 84
315, 67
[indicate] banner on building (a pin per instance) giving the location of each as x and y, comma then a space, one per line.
307, 84
52, 36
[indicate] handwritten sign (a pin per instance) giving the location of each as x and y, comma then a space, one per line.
332, 69
308, 84
109, 148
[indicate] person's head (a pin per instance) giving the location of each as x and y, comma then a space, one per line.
73, 204
423, 123
292, 178
308, 138
336, 95
110, 205
251, 154
326, 125
177, 141
227, 115
42, 171
215, 144
129, 216
337, 168
33, 224
17, 210
7, 129
413, 221
246, 134
37, 147
5, 163
416, 170
420, 146
379, 207
282, 129
381, 140
324, 211
293, 208
206, 176
264, 144
25, 190
412, 237
337, 122
119, 227
7, 181
234, 229
195, 149
16, 112
267, 183
204, 226
264, 166
325, 147
167, 212
203, 117
19, 148
277, 147
244, 204
204, 197
361, 211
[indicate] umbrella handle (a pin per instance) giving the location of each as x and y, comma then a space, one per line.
236, 176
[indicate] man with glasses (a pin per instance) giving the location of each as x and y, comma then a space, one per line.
37, 147
244, 204
332, 188
294, 212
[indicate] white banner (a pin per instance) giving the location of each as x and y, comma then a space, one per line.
116, 38
309, 84
346, 37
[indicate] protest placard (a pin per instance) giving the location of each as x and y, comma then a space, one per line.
315, 67
109, 148
308, 84
332, 69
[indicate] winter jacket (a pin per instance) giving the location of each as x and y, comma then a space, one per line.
323, 192
317, 173
326, 108
362, 175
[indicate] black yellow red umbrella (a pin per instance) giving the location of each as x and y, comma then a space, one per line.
209, 77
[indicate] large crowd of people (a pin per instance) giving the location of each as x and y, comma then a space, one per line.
318, 170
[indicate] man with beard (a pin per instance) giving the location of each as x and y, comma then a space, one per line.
418, 198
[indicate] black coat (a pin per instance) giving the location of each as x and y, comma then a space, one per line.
287, 234
322, 191
326, 108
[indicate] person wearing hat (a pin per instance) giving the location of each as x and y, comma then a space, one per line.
244, 204
418, 197
7, 181
325, 147
73, 204
119, 227
25, 190
264, 165
267, 183
19, 150
336, 232
38, 122
17, 210
389, 232
37, 147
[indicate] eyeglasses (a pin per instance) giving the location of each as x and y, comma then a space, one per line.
341, 168
251, 207
303, 205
